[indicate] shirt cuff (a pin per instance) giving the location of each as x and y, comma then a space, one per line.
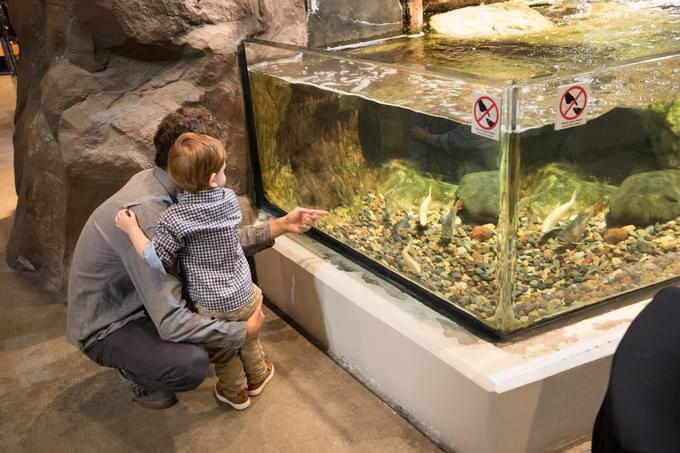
264, 235
238, 336
152, 258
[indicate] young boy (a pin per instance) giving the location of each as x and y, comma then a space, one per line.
200, 233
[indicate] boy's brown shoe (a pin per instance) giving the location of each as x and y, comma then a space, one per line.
257, 388
238, 402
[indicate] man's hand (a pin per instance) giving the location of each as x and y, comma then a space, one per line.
126, 220
423, 135
254, 323
299, 220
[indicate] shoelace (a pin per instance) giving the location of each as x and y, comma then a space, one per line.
137, 389
139, 392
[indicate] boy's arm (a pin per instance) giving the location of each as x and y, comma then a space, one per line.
159, 253
126, 220
258, 237
162, 251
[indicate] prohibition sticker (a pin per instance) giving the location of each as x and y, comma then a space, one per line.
572, 105
486, 116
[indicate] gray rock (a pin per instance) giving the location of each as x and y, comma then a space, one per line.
646, 198
496, 21
480, 193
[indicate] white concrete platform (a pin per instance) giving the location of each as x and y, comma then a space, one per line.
469, 395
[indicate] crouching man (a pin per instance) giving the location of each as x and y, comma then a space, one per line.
126, 315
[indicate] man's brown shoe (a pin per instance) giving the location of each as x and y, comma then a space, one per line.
238, 402
256, 389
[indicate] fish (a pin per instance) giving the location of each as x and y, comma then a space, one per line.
448, 224
410, 263
574, 231
450, 220
424, 207
557, 214
397, 227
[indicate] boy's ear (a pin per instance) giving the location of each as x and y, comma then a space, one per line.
212, 182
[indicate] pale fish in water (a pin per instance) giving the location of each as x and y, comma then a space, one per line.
574, 231
410, 263
557, 214
424, 208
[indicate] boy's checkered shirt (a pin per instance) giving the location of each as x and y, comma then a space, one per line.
201, 232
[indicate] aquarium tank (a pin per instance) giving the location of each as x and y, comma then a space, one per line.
504, 182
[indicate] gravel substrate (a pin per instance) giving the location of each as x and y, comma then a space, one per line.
550, 277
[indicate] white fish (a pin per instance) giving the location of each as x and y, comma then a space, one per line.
409, 261
424, 207
557, 214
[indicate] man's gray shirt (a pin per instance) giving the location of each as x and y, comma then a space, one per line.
111, 285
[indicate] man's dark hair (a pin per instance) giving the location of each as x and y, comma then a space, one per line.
185, 119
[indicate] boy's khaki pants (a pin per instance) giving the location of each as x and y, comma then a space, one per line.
236, 368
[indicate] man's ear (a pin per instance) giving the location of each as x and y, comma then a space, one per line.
212, 182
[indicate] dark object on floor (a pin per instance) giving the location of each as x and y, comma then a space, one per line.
641, 409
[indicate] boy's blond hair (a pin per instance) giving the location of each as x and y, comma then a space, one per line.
193, 159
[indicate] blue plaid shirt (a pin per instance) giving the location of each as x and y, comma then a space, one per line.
200, 231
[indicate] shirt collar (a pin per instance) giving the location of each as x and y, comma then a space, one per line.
164, 178
202, 196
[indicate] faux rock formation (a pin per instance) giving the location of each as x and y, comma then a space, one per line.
495, 21
94, 80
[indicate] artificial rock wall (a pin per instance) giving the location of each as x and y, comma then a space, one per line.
95, 78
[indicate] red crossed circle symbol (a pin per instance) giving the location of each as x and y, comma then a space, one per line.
486, 113
573, 102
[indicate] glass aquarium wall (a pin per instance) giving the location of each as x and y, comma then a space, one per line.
505, 233
598, 206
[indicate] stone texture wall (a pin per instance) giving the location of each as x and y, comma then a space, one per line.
342, 21
95, 77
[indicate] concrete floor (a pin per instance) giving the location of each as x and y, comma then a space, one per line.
52, 398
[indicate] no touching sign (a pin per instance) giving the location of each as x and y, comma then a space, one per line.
486, 115
572, 105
